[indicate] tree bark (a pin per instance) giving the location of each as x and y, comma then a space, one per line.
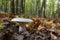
6, 6
41, 11
37, 6
44, 8
22, 6
12, 7
16, 7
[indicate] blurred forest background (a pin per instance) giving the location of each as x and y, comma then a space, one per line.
35, 8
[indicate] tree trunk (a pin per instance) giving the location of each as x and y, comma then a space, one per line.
12, 7
6, 6
22, 6
41, 11
44, 8
37, 6
16, 7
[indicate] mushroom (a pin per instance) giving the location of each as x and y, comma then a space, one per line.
22, 22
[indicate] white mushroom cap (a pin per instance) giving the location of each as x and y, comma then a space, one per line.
21, 20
